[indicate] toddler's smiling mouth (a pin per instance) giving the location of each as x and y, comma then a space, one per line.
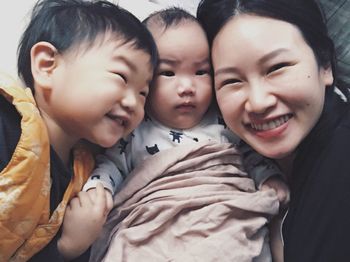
122, 121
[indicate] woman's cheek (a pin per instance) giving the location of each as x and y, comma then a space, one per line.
231, 105
227, 108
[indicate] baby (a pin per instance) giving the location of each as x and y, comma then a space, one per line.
180, 111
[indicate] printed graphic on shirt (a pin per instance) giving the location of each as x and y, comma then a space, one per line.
112, 181
176, 136
122, 145
98, 177
152, 149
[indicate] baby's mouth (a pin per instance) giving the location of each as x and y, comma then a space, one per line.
188, 105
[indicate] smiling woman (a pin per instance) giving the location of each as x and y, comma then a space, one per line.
278, 89
274, 80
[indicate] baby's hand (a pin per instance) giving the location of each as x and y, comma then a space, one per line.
83, 221
281, 188
109, 198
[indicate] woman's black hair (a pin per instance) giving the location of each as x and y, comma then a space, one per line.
67, 23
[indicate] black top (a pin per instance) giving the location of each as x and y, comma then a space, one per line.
10, 132
317, 227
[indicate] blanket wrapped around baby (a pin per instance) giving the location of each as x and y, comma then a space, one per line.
189, 203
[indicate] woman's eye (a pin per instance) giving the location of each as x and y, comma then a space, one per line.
167, 73
277, 67
231, 81
202, 72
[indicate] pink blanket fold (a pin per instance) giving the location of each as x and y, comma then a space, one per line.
188, 204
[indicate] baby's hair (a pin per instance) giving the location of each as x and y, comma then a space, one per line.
169, 17
68, 23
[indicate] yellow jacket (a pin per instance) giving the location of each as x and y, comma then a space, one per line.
25, 223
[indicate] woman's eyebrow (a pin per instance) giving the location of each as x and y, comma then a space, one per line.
262, 60
272, 54
226, 70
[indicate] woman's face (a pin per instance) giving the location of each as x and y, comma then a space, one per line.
268, 84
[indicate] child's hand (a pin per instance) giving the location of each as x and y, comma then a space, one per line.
83, 221
109, 198
281, 188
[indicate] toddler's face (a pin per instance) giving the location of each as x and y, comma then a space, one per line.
182, 90
99, 94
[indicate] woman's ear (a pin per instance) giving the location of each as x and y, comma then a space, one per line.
327, 75
43, 62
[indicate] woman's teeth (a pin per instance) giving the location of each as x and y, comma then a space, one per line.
271, 124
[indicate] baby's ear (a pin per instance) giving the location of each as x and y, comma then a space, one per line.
43, 62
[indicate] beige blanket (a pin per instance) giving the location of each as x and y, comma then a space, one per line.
188, 204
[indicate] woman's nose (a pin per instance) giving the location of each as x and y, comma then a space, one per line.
259, 98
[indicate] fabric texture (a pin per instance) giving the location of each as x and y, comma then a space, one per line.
151, 137
25, 222
316, 227
190, 203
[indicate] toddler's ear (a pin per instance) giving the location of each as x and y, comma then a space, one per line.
43, 62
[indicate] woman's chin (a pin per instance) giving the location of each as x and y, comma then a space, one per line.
275, 153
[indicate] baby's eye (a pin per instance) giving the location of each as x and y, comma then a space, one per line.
167, 73
202, 72
144, 93
277, 67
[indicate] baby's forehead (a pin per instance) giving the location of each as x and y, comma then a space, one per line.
158, 24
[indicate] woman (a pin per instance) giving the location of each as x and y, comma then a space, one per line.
274, 73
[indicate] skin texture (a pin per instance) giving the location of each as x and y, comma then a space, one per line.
97, 93
182, 91
271, 93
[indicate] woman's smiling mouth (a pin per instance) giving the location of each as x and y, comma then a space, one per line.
271, 124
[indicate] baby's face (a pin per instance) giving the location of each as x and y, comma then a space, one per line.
182, 90
99, 93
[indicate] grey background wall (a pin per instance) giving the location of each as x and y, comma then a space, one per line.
338, 15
